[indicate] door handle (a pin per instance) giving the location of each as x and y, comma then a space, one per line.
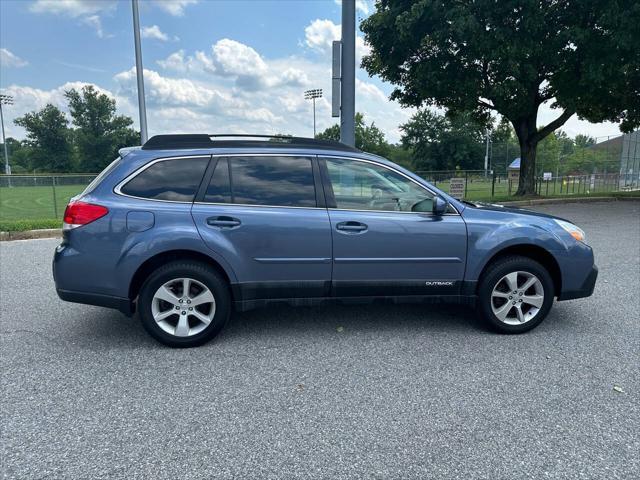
223, 221
351, 227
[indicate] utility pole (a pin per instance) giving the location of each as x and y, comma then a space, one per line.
312, 95
139, 73
5, 100
348, 74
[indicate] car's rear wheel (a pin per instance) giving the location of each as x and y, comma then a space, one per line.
515, 294
184, 304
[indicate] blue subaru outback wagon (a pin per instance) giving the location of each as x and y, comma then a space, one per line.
189, 227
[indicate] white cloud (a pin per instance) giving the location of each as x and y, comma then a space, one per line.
94, 22
361, 5
73, 8
575, 126
179, 62
174, 7
237, 59
154, 32
10, 60
320, 34
87, 11
204, 99
237, 62
370, 91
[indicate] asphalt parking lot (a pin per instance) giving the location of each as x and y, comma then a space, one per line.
333, 392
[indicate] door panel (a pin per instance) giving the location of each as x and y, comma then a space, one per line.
398, 253
275, 252
386, 241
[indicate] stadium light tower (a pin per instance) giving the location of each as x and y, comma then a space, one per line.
5, 100
312, 95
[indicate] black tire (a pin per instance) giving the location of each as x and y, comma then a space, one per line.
493, 274
185, 269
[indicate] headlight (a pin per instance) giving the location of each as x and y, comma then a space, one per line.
575, 232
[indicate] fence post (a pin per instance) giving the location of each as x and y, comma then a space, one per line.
466, 175
493, 184
55, 203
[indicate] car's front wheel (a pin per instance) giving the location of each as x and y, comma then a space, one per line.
184, 304
515, 294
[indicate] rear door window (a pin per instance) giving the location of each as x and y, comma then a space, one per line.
268, 180
174, 180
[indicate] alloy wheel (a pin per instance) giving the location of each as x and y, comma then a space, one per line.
183, 307
517, 298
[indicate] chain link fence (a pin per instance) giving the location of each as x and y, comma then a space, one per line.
25, 197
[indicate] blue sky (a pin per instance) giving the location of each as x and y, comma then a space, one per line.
210, 65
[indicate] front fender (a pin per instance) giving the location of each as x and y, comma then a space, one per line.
489, 237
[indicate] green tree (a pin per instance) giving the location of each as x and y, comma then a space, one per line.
369, 138
99, 132
444, 142
510, 57
48, 139
583, 141
19, 156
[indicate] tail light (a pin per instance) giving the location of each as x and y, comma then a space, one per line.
80, 213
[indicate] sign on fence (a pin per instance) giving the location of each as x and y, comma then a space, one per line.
456, 187
547, 176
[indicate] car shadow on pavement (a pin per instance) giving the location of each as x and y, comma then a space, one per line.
108, 328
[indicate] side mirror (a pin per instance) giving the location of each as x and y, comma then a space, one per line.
440, 205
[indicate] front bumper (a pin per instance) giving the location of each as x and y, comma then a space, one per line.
586, 290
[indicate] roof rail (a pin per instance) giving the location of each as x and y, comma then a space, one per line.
201, 140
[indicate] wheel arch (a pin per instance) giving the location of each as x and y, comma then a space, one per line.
534, 252
152, 263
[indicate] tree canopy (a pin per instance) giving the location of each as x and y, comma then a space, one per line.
52, 146
368, 137
48, 138
444, 142
99, 132
510, 57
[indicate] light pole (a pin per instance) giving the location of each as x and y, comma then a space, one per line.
348, 74
141, 103
312, 95
5, 100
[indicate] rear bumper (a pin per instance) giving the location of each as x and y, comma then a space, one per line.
122, 304
586, 290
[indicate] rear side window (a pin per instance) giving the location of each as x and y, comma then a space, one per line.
175, 180
272, 181
101, 176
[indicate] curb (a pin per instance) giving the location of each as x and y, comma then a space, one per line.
554, 201
31, 234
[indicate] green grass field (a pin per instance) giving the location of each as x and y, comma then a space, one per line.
23, 203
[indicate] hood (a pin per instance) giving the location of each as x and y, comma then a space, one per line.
508, 209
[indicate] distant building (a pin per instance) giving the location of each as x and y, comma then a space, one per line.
513, 170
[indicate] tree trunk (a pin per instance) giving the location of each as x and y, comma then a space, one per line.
526, 130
